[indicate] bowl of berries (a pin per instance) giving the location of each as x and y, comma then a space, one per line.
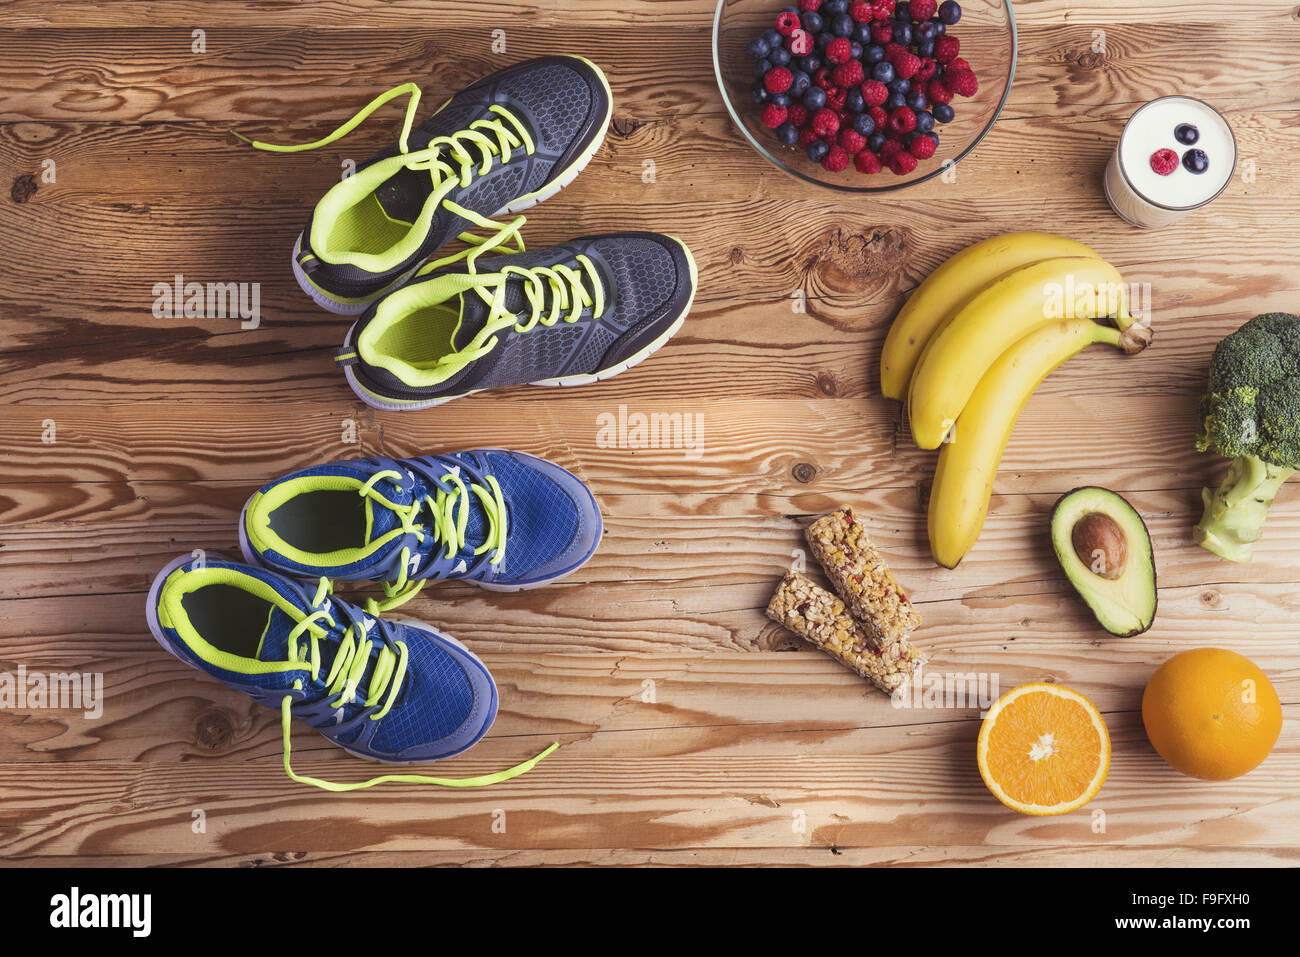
865, 96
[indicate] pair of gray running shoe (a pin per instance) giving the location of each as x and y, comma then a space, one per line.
493, 314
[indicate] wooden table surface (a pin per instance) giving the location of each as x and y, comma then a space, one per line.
694, 730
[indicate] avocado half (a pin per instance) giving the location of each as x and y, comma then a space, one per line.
1105, 549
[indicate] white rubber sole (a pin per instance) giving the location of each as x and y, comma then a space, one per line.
354, 308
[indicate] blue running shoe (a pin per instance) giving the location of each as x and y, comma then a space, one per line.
401, 692
503, 520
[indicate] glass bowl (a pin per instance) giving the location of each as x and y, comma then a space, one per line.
987, 31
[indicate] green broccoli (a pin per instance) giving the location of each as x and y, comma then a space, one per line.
1250, 414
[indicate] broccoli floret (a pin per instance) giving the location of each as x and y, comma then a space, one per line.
1250, 414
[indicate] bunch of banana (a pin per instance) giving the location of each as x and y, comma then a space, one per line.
973, 343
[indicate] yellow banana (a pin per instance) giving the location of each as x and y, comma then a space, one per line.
963, 482
962, 350
950, 287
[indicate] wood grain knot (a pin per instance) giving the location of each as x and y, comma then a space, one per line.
625, 126
856, 262
24, 188
1091, 61
737, 255
214, 730
826, 384
804, 472
1211, 598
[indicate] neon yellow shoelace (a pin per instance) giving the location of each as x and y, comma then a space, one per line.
450, 160
344, 677
450, 514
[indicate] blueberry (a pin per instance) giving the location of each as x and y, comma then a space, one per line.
833, 7
934, 138
759, 92
759, 48
925, 31
810, 63
761, 68
903, 10
815, 98
899, 85
794, 10
875, 141
779, 57
917, 100
944, 113
925, 48
824, 39
902, 32
949, 11
1187, 134
800, 83
861, 33
842, 25
812, 21
853, 101
787, 134
924, 119
817, 151
873, 54
864, 124
894, 102
855, 50
939, 28
883, 71
780, 99
1195, 161
909, 139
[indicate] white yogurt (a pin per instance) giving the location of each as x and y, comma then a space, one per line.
1146, 198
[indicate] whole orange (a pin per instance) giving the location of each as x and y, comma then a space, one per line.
1211, 713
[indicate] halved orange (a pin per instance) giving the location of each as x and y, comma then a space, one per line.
1043, 749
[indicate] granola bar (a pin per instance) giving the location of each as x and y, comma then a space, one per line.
821, 618
840, 543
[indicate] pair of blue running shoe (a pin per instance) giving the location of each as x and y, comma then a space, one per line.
395, 690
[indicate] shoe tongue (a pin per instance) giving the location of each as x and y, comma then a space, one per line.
474, 310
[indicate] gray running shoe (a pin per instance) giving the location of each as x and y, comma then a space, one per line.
566, 315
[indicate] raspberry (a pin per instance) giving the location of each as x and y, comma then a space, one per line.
867, 162
798, 115
787, 23
822, 78
889, 152
946, 48
810, 6
879, 117
906, 65
937, 92
881, 31
836, 98
959, 64
1164, 162
862, 12
924, 9
874, 93
839, 50
903, 164
825, 123
806, 135
923, 147
927, 71
852, 141
836, 161
902, 120
892, 50
848, 74
883, 9
773, 115
778, 79
961, 82
800, 43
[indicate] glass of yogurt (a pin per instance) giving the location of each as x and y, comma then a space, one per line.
1176, 155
